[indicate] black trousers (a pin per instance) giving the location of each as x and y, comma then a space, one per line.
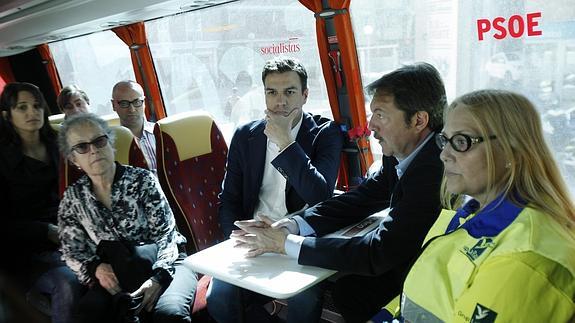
359, 298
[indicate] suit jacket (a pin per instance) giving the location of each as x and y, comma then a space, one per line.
310, 166
415, 204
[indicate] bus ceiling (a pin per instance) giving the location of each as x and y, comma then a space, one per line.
25, 24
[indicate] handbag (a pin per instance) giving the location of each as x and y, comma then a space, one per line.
132, 263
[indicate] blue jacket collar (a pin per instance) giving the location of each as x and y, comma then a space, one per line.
493, 219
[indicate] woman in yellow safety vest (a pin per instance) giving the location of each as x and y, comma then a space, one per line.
508, 254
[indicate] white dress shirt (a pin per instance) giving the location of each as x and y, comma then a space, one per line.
272, 200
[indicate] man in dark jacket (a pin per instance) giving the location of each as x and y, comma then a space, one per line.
276, 166
407, 108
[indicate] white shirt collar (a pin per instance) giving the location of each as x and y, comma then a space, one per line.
403, 164
148, 126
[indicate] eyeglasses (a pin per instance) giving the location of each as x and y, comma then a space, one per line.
125, 104
84, 147
459, 142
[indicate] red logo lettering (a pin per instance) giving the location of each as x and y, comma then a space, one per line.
531, 24
515, 26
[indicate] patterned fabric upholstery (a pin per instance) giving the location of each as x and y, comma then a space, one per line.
191, 165
127, 152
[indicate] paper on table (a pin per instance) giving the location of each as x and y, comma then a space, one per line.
361, 228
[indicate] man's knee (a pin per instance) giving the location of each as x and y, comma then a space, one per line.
223, 301
310, 297
221, 292
307, 305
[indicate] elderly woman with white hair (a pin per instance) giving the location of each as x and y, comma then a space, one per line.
118, 233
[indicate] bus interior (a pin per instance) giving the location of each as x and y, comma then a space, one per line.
205, 56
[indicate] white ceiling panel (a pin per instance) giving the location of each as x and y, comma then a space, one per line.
25, 24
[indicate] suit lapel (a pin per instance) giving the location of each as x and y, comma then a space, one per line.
304, 138
306, 134
257, 142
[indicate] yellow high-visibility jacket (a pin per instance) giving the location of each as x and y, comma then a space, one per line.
503, 264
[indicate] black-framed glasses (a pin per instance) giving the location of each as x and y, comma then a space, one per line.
459, 142
84, 147
124, 104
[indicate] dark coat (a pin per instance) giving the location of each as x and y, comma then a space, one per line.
310, 166
415, 204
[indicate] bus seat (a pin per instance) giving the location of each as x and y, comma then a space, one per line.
191, 158
56, 118
191, 165
127, 152
112, 119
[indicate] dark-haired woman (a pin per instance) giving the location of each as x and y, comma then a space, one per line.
119, 234
29, 199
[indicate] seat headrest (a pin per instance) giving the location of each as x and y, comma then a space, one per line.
190, 132
56, 118
56, 126
123, 143
112, 119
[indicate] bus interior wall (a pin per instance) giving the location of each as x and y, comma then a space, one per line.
28, 67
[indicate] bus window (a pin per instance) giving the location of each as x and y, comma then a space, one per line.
95, 63
445, 34
212, 59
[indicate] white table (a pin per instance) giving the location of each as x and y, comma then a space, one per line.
273, 275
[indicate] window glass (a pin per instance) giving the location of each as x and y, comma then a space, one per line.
212, 59
446, 34
95, 63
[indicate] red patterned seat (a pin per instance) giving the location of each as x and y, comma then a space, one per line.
191, 165
127, 152
191, 157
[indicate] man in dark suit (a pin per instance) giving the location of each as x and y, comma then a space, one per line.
407, 109
276, 166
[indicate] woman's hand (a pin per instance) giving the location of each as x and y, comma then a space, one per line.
151, 291
107, 278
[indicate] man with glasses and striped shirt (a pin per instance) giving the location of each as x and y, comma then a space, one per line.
128, 101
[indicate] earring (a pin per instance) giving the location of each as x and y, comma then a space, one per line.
508, 165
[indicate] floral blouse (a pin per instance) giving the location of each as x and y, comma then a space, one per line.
140, 213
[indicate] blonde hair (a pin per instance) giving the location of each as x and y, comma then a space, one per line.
533, 176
